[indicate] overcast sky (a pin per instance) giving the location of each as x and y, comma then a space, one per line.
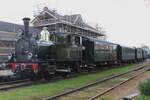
126, 21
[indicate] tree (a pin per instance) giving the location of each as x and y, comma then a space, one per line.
102, 31
145, 47
147, 3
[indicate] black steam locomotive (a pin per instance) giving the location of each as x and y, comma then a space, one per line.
66, 53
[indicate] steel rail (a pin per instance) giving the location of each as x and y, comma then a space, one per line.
15, 85
117, 85
12, 82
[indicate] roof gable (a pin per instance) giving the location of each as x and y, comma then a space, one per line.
48, 13
51, 13
78, 19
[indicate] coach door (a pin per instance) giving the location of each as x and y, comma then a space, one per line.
88, 51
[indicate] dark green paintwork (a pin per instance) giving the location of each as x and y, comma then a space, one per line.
101, 55
68, 52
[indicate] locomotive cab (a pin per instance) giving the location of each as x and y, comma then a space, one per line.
68, 52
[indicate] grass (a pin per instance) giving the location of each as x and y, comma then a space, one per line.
36, 92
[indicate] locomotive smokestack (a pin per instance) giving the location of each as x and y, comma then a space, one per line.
26, 26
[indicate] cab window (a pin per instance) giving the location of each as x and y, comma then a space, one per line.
77, 41
57, 38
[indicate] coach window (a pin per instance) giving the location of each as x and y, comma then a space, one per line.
53, 37
60, 39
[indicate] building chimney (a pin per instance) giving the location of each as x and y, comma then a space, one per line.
45, 8
26, 26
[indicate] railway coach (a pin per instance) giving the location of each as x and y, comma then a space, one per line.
126, 54
139, 54
6, 73
144, 54
99, 52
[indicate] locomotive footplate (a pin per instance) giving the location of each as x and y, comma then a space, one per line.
63, 70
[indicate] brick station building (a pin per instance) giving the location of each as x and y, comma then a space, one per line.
8, 33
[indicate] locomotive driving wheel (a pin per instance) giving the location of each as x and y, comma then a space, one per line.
34, 77
47, 76
48, 71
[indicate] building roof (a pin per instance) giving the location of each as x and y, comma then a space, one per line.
8, 30
71, 18
11, 27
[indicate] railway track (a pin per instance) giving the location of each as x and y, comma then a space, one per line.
14, 84
117, 85
88, 91
26, 82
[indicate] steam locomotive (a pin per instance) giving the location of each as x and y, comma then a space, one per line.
66, 53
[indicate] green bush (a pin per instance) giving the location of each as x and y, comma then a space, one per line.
143, 97
145, 88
